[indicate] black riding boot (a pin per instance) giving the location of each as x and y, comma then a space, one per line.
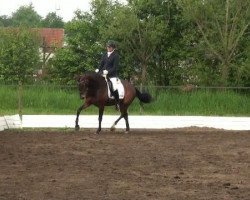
116, 95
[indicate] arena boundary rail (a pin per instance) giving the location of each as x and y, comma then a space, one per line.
136, 122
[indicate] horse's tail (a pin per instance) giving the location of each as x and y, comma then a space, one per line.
143, 97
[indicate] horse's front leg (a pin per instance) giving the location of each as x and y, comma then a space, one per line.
85, 105
101, 109
77, 127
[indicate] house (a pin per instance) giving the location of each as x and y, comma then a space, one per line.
51, 39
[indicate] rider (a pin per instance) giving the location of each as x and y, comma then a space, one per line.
110, 63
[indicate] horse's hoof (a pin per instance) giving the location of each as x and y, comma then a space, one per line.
77, 128
112, 128
126, 132
97, 131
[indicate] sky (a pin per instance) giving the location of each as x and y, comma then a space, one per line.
63, 8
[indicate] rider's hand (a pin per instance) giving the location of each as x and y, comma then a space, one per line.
97, 70
105, 72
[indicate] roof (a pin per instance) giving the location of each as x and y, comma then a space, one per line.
52, 37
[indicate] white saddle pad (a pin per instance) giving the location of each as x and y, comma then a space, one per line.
117, 85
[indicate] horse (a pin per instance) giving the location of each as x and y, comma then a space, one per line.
93, 90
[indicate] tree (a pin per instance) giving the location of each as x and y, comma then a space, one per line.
19, 54
5, 21
141, 30
139, 36
52, 20
242, 73
222, 25
173, 49
175, 42
26, 16
63, 66
84, 44
81, 52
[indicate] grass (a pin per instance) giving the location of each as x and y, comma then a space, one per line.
47, 99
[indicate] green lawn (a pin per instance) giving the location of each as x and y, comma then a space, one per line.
48, 99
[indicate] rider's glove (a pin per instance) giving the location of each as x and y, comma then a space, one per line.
105, 72
97, 70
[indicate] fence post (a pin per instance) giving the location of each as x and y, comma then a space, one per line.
141, 108
20, 99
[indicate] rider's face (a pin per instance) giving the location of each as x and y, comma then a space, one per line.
109, 49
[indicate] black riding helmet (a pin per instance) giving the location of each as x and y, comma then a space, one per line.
111, 43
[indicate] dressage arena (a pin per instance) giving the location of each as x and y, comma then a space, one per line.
174, 164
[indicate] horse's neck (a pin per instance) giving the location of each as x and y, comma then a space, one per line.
98, 84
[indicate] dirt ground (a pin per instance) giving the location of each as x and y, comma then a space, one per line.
180, 164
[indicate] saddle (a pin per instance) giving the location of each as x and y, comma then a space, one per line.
117, 85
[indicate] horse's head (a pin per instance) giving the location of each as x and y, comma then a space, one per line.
88, 84
83, 85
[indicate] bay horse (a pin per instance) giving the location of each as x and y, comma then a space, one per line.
93, 88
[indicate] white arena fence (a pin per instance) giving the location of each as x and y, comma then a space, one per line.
10, 122
136, 122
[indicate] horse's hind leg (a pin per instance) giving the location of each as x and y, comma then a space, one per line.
126, 120
124, 114
115, 123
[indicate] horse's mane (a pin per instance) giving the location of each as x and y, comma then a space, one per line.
93, 76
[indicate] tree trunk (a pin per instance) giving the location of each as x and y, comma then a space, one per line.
224, 74
144, 73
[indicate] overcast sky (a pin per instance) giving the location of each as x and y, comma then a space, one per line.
63, 8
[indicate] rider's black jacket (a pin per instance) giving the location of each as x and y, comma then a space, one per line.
110, 64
